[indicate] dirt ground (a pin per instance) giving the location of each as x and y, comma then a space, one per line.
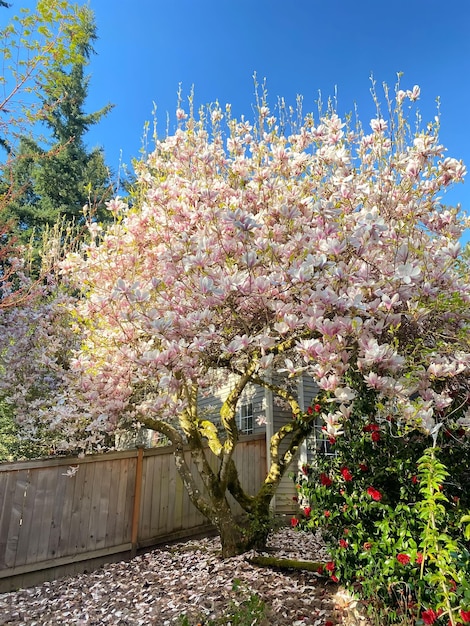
189, 584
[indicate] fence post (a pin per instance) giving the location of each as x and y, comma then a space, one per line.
137, 497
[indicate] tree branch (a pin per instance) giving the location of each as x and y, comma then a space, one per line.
228, 413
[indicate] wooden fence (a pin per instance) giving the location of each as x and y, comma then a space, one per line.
61, 516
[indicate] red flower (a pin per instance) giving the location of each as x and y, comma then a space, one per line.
370, 428
310, 410
307, 511
343, 543
374, 494
414, 480
465, 615
419, 558
320, 569
294, 522
327, 513
317, 408
429, 616
335, 579
329, 623
346, 474
404, 559
332, 440
330, 566
375, 436
363, 467
305, 470
367, 545
325, 480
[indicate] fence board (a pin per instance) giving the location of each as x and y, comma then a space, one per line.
147, 497
72, 545
86, 506
126, 512
16, 514
62, 495
7, 487
158, 499
25, 538
71, 488
172, 522
164, 494
112, 517
104, 504
124, 504
48, 484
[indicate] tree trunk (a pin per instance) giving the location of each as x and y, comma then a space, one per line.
250, 532
230, 532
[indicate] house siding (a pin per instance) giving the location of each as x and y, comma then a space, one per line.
307, 389
310, 390
210, 403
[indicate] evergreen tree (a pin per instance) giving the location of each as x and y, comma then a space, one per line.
57, 181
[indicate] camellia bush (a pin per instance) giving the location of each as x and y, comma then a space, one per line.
391, 503
292, 244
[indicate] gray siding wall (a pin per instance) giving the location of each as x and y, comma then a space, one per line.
310, 389
211, 402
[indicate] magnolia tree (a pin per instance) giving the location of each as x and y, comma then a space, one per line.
249, 248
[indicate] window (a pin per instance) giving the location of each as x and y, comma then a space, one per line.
318, 442
245, 419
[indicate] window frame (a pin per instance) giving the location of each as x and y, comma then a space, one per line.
246, 418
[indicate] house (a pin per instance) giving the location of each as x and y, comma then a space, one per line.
259, 411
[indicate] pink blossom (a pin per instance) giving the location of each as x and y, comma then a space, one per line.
378, 125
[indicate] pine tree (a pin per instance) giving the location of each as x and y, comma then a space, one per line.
55, 182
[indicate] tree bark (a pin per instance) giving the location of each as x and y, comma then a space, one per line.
230, 532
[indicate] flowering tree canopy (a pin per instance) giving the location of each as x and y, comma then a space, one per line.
303, 247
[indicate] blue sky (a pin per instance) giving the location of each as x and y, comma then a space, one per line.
148, 47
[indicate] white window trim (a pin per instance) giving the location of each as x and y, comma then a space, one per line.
242, 418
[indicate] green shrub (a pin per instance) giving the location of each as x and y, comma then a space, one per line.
390, 505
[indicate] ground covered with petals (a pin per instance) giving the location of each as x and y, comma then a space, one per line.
188, 584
